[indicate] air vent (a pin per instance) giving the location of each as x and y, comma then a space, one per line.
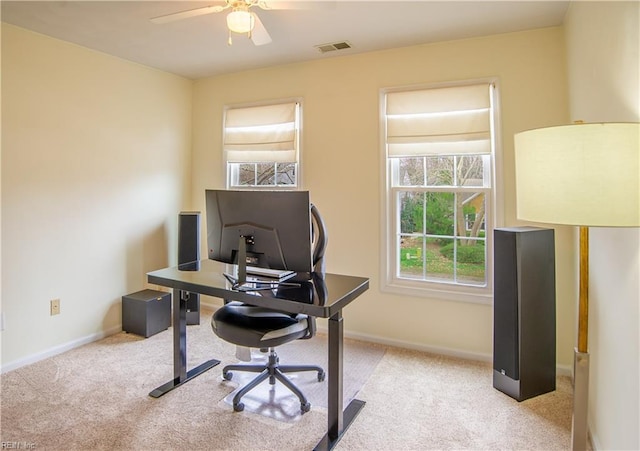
324, 48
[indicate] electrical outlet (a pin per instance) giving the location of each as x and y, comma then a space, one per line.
55, 307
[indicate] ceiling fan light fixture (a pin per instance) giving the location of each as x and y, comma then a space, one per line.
240, 21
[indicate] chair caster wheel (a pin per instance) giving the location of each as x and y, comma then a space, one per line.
238, 407
321, 376
227, 376
305, 407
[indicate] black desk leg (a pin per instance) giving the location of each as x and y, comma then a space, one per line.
338, 421
180, 373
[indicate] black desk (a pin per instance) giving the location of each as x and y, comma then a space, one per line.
329, 296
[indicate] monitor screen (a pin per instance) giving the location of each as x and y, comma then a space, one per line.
275, 225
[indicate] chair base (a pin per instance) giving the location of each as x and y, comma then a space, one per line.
274, 371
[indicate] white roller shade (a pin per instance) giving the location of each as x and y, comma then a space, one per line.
261, 134
450, 121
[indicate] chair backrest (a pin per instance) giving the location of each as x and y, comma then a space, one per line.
319, 246
320, 240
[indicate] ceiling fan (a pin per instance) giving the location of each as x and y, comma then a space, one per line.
240, 19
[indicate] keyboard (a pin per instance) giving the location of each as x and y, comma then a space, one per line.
270, 273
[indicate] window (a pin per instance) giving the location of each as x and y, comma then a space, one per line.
439, 171
261, 146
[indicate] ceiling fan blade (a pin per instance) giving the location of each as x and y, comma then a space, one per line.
296, 4
259, 35
188, 13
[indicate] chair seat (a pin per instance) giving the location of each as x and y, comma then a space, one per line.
257, 327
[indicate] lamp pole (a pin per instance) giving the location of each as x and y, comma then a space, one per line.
581, 353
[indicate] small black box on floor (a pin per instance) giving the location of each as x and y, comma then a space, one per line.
146, 312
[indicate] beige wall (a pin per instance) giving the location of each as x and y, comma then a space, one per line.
342, 166
95, 158
604, 78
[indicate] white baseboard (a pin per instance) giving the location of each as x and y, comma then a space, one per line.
561, 370
415, 346
564, 370
56, 350
595, 443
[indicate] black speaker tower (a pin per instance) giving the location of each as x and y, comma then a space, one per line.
189, 258
524, 320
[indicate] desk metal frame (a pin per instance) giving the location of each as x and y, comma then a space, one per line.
208, 280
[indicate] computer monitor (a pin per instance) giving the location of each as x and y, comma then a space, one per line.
274, 226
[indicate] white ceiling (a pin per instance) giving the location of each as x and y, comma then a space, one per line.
197, 47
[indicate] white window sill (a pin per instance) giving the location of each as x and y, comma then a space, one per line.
480, 295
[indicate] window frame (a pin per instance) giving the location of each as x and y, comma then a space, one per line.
231, 170
392, 283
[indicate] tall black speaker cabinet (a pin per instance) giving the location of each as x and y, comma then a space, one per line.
524, 313
189, 257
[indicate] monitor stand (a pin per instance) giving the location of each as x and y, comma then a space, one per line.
242, 260
239, 282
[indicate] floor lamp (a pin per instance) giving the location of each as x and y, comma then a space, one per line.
584, 175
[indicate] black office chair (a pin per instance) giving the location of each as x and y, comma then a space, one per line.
261, 328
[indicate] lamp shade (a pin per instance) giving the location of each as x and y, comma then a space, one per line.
582, 174
240, 21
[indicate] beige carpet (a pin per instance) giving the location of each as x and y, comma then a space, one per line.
96, 397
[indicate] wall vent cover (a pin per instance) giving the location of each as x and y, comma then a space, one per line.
324, 48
